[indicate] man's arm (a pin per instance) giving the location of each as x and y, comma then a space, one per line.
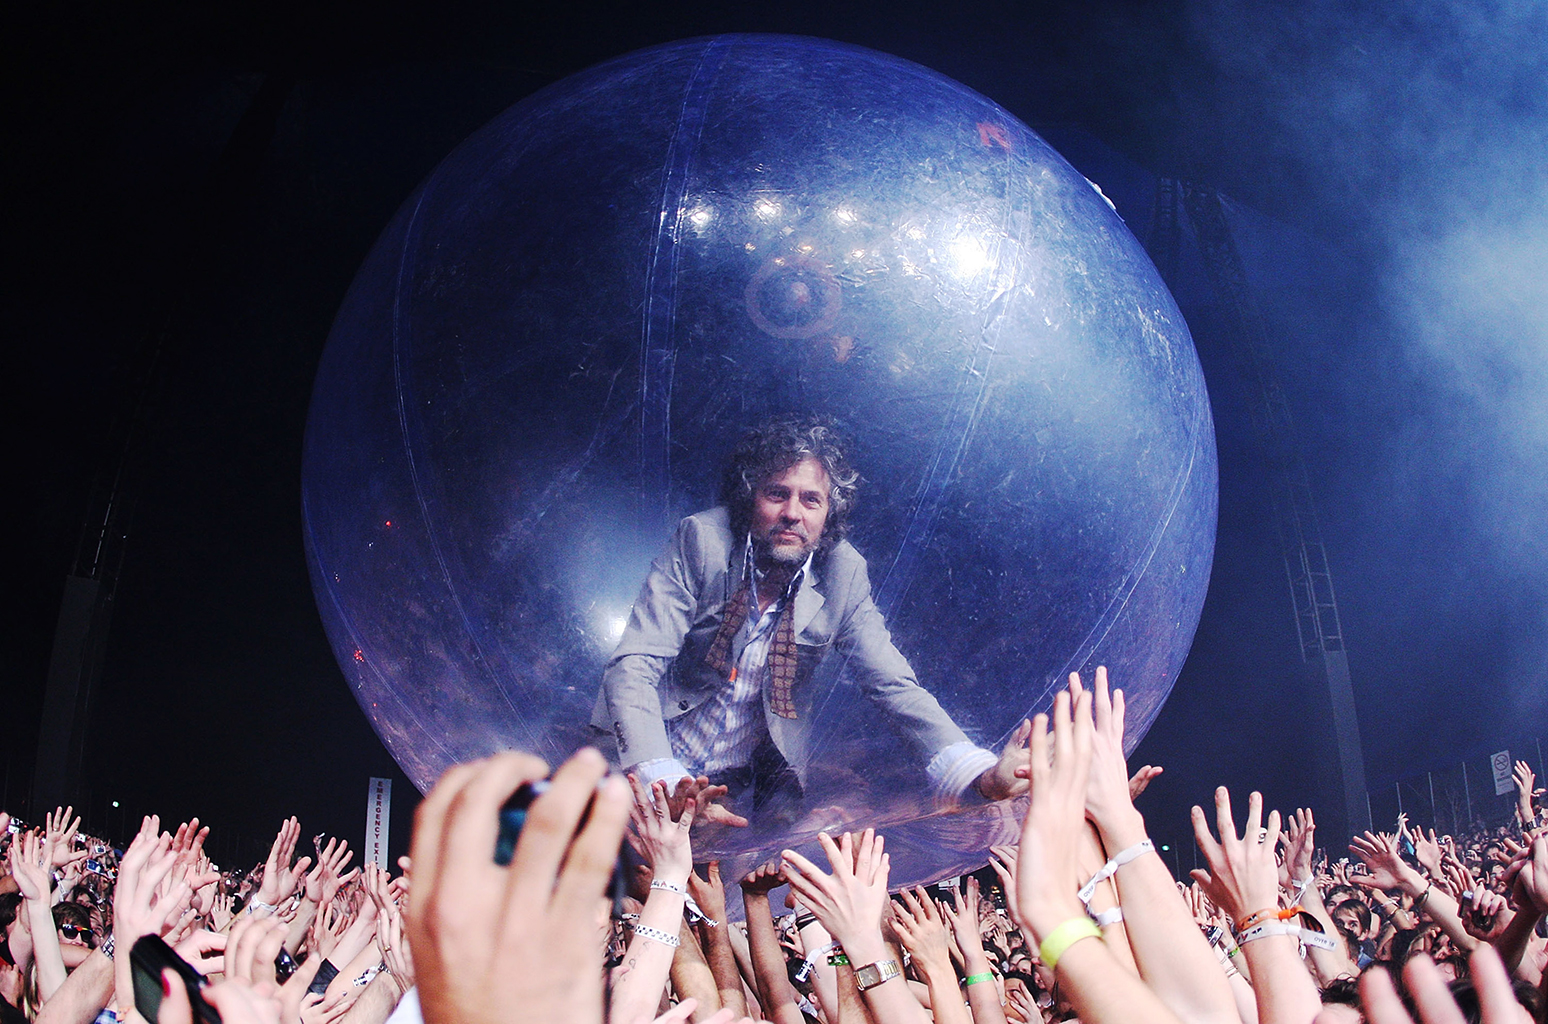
864, 645
630, 705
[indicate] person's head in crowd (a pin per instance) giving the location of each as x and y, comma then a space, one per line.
1466, 995
1341, 1002
76, 939
12, 920
1353, 918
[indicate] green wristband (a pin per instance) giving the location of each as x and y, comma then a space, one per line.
838, 960
974, 979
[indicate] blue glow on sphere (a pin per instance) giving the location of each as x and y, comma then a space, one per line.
545, 359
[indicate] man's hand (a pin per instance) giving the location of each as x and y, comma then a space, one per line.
1009, 776
706, 799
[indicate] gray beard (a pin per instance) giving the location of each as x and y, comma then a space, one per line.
765, 553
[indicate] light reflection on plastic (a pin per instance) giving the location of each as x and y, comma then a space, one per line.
766, 209
968, 257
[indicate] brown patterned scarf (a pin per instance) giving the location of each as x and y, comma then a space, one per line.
782, 649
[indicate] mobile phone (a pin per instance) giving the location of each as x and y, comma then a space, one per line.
94, 866
284, 966
513, 817
149, 957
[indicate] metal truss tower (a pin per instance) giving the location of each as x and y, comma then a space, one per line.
1317, 625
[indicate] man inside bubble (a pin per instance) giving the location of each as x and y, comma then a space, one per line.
744, 621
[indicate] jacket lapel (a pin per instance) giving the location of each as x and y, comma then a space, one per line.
808, 601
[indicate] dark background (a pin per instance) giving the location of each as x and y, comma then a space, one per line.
189, 189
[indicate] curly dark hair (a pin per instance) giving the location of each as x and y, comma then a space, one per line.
775, 445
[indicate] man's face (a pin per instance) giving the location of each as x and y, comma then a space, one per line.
789, 511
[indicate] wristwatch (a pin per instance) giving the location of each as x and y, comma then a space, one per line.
871, 975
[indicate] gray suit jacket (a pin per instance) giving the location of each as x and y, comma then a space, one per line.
658, 672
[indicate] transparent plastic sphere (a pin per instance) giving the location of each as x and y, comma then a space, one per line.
545, 360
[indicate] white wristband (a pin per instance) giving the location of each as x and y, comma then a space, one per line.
645, 931
1108, 917
1271, 928
1118, 860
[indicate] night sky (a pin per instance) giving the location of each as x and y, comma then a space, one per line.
191, 187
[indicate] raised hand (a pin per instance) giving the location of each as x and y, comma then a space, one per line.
322, 1008
1385, 867
1432, 996
394, 944
488, 939
709, 892
1047, 871
764, 878
220, 911
1142, 778
921, 929
1525, 781
1427, 851
325, 880
1108, 803
1004, 860
1242, 877
849, 901
962, 915
327, 927
659, 836
31, 856
60, 828
280, 877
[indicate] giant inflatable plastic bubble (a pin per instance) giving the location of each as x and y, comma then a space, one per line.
547, 356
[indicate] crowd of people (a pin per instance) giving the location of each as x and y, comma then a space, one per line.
1081, 921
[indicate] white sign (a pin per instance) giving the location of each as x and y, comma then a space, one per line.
378, 818
1503, 782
